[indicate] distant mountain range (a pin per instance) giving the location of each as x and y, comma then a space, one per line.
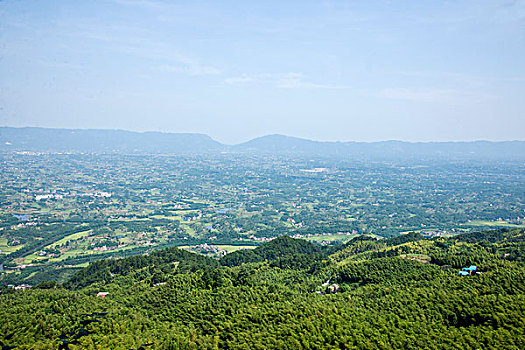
33, 139
104, 141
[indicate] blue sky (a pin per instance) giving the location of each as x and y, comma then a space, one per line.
324, 70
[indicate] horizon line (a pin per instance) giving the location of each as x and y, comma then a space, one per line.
254, 138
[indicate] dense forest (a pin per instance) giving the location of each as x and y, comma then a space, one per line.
399, 293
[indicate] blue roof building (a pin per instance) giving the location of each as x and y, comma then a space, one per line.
468, 270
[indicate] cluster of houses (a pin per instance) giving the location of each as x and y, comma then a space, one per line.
40, 197
261, 239
122, 218
44, 253
192, 218
106, 248
329, 288
303, 236
19, 267
292, 221
469, 271
32, 223
431, 234
206, 248
19, 287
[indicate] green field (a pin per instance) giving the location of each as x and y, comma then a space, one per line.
499, 223
232, 248
71, 237
4, 248
164, 217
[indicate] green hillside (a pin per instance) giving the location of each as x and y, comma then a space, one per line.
401, 293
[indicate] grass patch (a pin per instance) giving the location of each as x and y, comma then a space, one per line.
4, 248
499, 223
232, 248
164, 217
66, 239
422, 258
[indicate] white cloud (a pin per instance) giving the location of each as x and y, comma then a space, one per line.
291, 80
157, 54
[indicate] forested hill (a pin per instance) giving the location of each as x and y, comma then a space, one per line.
127, 142
104, 141
281, 144
402, 293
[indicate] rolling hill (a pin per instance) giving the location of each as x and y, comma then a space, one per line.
365, 294
127, 142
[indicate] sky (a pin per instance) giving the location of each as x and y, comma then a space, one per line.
425, 70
